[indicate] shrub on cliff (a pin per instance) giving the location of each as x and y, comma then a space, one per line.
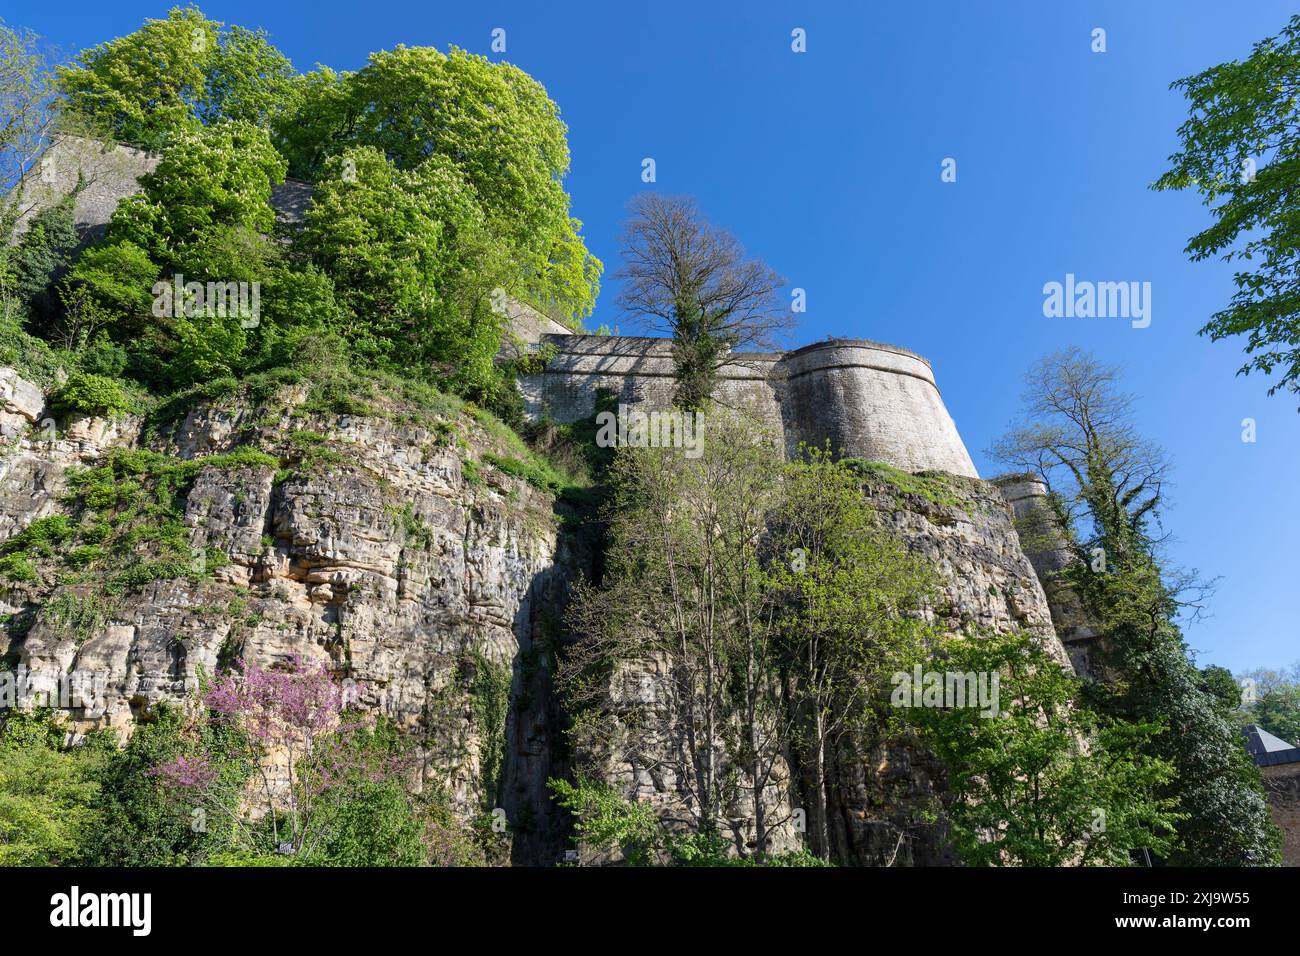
90, 394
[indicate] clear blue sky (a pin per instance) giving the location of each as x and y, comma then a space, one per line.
827, 165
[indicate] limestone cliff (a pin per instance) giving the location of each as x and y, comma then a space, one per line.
878, 789
384, 541
380, 547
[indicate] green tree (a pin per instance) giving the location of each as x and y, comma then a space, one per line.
850, 614
108, 285
1045, 782
1106, 491
210, 179
605, 820
247, 79
139, 824
689, 279
684, 585
204, 215
28, 104
1240, 149
172, 75
1271, 698
492, 122
141, 88
412, 261
1219, 683
42, 253
47, 793
319, 123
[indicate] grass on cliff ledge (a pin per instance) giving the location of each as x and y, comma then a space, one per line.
933, 486
128, 525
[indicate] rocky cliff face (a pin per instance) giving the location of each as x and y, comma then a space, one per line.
377, 548
964, 527
878, 789
385, 544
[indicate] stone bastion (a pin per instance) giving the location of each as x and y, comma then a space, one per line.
872, 401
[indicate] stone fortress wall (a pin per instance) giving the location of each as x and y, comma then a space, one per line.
872, 401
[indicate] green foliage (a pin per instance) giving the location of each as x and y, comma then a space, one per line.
209, 179
247, 79
138, 824
47, 793
40, 536
204, 214
131, 509
489, 122
1044, 782
108, 285
34, 358
18, 567
1219, 683
490, 691
934, 486
413, 264
370, 822
91, 395
1106, 487
78, 616
170, 75
606, 820
41, 254
1240, 149
535, 471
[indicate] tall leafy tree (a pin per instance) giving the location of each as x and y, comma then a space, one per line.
492, 121
1106, 486
174, 74
850, 613
690, 279
212, 179
1240, 149
415, 262
1045, 782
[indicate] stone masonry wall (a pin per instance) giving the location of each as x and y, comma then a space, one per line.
872, 401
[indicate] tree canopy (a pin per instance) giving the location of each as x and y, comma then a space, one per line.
1240, 149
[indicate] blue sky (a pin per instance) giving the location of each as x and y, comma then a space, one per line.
827, 165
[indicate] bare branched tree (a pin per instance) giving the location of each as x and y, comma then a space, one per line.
689, 279
1078, 428
1106, 481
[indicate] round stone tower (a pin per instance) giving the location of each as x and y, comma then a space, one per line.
872, 401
